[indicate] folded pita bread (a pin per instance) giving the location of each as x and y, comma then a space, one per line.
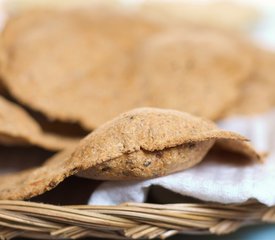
18, 128
140, 144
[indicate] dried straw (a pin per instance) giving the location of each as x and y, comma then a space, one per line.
126, 221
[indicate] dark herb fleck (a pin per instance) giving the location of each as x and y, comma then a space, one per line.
147, 163
159, 154
105, 169
191, 145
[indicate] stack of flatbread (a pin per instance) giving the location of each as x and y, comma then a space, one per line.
117, 75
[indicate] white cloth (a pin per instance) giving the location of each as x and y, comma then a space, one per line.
212, 180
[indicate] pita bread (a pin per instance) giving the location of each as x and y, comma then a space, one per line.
18, 128
144, 141
197, 70
257, 94
73, 66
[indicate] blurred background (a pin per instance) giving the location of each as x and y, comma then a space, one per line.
254, 17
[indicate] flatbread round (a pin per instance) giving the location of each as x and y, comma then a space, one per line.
18, 128
73, 66
195, 70
140, 144
257, 94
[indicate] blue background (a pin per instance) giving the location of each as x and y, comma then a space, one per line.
266, 232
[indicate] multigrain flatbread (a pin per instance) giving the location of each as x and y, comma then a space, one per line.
258, 94
73, 66
124, 28
196, 70
140, 144
18, 128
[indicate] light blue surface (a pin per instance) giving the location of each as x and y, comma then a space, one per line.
266, 232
